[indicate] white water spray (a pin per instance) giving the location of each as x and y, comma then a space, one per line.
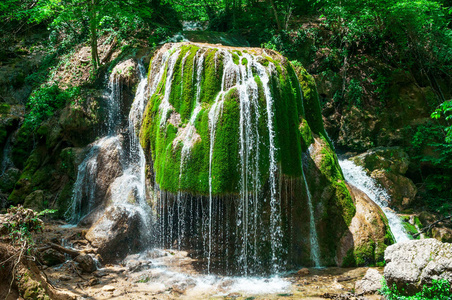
358, 177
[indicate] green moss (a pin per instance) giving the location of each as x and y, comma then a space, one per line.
288, 115
226, 151
22, 146
182, 93
211, 80
239, 53
418, 222
235, 58
306, 135
4, 108
368, 254
67, 164
389, 237
292, 130
244, 61
311, 101
364, 254
409, 228
64, 199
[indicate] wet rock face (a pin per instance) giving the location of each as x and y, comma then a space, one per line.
114, 234
388, 165
368, 235
412, 264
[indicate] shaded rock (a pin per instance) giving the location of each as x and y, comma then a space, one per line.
413, 264
368, 234
86, 263
351, 132
8, 179
52, 257
77, 123
393, 159
427, 218
35, 200
114, 233
370, 283
442, 234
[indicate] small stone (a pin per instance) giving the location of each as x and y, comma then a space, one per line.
108, 288
303, 272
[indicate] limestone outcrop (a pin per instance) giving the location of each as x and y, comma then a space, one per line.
412, 264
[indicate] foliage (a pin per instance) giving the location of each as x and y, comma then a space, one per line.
438, 290
436, 187
445, 109
404, 33
45, 101
22, 222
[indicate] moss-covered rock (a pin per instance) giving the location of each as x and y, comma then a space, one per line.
369, 234
218, 121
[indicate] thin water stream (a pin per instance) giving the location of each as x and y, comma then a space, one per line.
357, 176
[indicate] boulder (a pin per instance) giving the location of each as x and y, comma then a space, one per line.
114, 234
393, 159
412, 264
8, 179
51, 257
126, 72
101, 166
86, 263
368, 235
35, 200
388, 165
370, 283
400, 188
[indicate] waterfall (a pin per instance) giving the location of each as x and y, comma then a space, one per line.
181, 215
358, 177
128, 189
315, 249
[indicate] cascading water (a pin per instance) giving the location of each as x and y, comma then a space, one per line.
358, 177
180, 215
128, 189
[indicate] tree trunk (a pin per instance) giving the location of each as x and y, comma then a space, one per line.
93, 31
275, 11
